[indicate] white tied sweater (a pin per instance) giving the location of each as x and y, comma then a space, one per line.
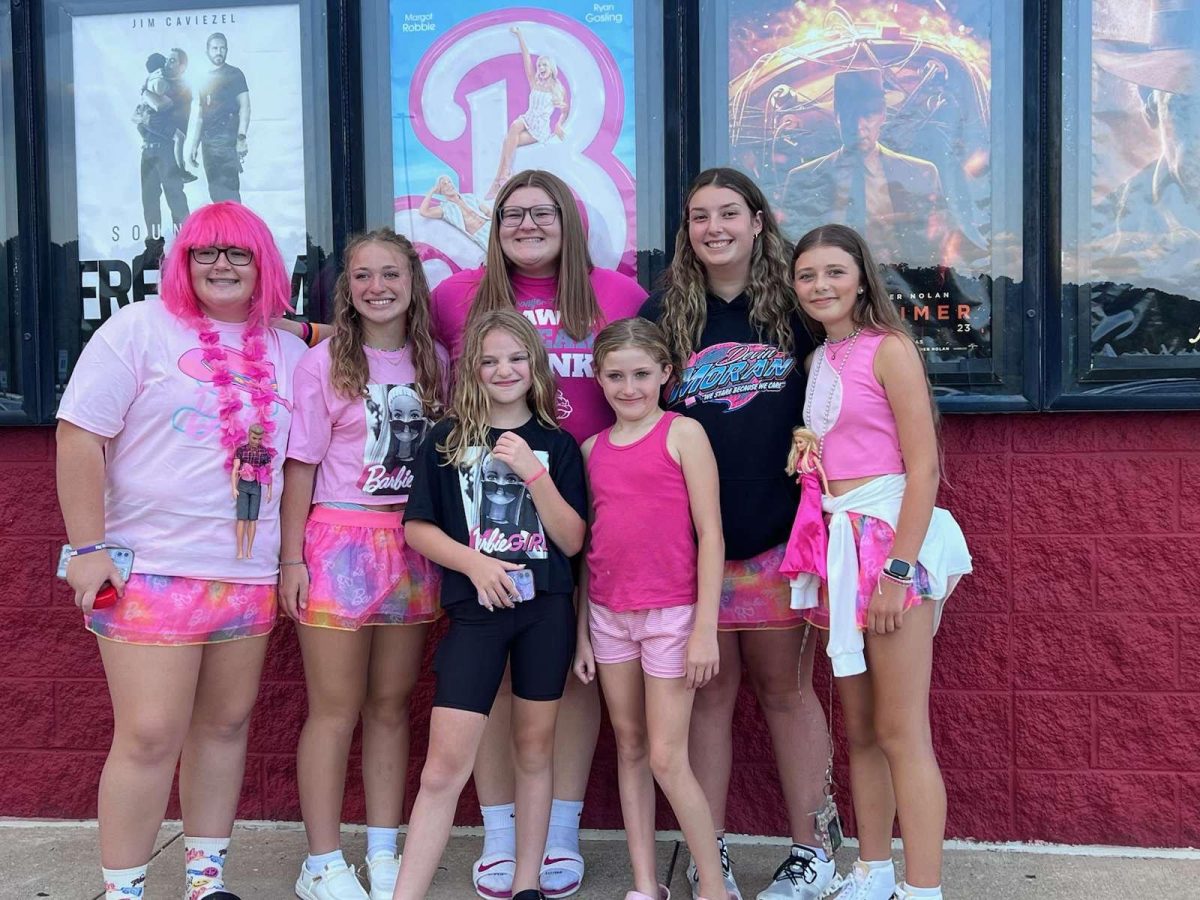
943, 555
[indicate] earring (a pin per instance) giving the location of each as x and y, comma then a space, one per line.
860, 290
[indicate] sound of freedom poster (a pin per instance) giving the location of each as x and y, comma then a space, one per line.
174, 110
480, 93
879, 116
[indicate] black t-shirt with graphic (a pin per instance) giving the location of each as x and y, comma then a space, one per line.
748, 394
218, 100
485, 505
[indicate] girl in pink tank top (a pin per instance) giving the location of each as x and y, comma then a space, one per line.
889, 558
650, 592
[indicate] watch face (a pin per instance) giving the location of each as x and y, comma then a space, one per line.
899, 568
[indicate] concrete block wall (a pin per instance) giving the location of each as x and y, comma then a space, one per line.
1066, 703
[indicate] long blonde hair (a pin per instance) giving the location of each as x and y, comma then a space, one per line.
642, 334
471, 406
575, 298
349, 369
772, 301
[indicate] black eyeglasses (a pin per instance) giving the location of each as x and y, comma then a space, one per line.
236, 256
513, 216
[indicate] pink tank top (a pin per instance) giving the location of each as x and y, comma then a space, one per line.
851, 412
643, 547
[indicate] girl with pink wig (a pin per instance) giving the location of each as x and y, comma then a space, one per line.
163, 395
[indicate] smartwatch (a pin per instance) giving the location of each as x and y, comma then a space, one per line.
898, 569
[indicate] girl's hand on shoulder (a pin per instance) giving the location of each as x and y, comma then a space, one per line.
88, 573
490, 577
585, 661
703, 658
886, 610
293, 590
512, 450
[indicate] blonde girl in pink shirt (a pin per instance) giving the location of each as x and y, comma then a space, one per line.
363, 599
649, 596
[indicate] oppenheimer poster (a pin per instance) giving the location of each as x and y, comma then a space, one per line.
174, 110
480, 93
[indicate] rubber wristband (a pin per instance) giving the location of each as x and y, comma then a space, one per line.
90, 548
292, 562
306, 332
539, 474
907, 582
315, 337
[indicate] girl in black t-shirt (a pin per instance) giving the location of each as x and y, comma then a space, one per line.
497, 487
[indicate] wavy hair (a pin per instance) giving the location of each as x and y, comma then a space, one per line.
636, 332
575, 298
772, 300
471, 406
226, 224
349, 369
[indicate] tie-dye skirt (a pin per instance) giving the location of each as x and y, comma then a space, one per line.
754, 595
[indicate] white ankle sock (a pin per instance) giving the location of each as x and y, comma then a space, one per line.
908, 892
121, 884
818, 852
382, 840
204, 866
316, 862
499, 829
564, 824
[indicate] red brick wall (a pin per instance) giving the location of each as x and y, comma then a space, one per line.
1067, 672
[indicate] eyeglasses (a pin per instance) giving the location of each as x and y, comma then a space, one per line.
236, 256
513, 216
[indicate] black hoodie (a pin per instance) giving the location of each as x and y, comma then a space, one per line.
748, 394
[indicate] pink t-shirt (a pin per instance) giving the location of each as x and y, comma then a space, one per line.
141, 381
364, 447
582, 409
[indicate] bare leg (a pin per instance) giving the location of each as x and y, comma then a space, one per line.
251, 530
900, 666
517, 136
533, 763
151, 717
624, 692
870, 779
668, 714
335, 675
454, 736
214, 754
711, 736
396, 652
575, 739
782, 680
241, 538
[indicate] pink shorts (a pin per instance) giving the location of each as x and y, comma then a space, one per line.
874, 539
658, 636
172, 610
754, 595
362, 573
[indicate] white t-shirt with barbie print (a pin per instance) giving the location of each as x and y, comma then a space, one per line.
142, 382
364, 447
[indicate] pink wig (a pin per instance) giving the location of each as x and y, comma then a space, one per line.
226, 224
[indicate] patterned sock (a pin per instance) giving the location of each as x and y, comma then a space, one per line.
124, 884
316, 862
382, 840
204, 866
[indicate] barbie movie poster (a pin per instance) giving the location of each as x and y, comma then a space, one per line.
174, 110
480, 93
1131, 180
879, 116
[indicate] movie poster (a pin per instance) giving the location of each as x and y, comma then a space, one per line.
174, 110
481, 93
1131, 230
878, 116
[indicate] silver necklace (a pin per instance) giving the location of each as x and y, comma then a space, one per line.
827, 417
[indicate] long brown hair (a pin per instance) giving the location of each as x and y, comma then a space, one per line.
349, 369
471, 406
575, 298
772, 301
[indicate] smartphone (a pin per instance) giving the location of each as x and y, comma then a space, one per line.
522, 580
122, 558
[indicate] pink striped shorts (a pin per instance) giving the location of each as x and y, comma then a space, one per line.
659, 636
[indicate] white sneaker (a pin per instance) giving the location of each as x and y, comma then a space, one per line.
336, 881
382, 871
802, 876
693, 875
866, 883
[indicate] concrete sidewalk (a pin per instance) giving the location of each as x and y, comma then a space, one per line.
59, 861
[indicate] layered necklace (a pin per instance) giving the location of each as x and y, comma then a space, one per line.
256, 381
828, 355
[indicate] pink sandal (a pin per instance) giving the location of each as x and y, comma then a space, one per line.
663, 894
